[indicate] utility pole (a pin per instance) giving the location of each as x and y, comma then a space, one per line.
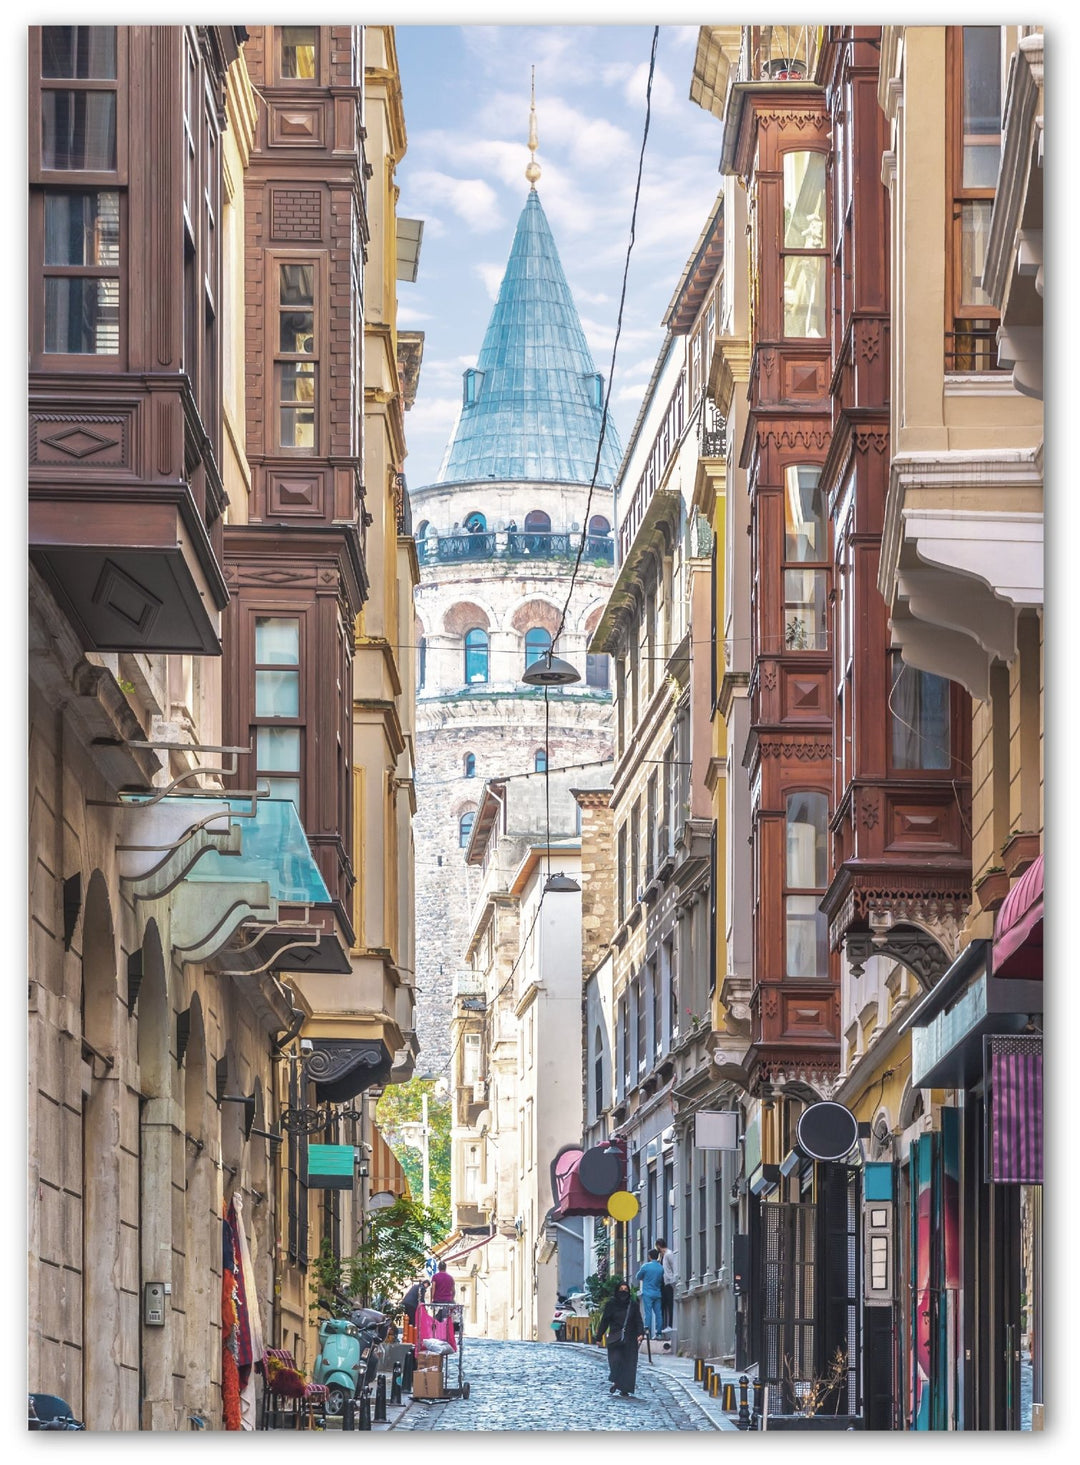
425, 1132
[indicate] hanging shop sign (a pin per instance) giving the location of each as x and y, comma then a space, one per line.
716, 1129
1014, 1109
827, 1131
331, 1167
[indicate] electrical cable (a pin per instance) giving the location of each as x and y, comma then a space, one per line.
618, 328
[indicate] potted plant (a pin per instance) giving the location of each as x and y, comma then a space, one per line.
816, 1400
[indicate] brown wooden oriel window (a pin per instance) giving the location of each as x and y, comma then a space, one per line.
973, 133
298, 53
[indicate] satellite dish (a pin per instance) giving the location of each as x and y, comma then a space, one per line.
380, 1200
827, 1131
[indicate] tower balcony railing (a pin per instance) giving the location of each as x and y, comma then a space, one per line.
779, 52
515, 544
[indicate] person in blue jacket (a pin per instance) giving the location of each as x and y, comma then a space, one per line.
651, 1276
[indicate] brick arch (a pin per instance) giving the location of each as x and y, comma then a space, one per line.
535, 612
593, 617
465, 616
463, 806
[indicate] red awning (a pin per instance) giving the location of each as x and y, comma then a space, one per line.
574, 1199
1018, 932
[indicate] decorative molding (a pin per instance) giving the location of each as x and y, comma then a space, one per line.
869, 811
768, 678
806, 752
809, 438
867, 437
922, 954
782, 120
869, 340
75, 437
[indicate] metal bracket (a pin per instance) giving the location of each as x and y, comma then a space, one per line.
923, 955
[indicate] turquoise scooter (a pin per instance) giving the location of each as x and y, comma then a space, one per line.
341, 1362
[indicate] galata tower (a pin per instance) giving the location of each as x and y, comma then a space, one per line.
499, 534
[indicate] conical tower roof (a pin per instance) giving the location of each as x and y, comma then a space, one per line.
532, 407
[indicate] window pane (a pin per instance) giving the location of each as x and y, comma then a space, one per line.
277, 749
804, 295
919, 704
807, 822
804, 200
804, 515
277, 641
78, 130
807, 937
82, 229
537, 644
82, 317
297, 284
596, 670
298, 381
465, 829
974, 230
476, 656
298, 51
297, 427
804, 610
86, 52
277, 694
540, 762
981, 105
283, 788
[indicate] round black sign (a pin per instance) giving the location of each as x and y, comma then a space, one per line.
600, 1171
827, 1131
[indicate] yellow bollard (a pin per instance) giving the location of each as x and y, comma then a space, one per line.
729, 1399
699, 1370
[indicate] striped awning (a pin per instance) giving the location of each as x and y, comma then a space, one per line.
1018, 932
1014, 1109
385, 1171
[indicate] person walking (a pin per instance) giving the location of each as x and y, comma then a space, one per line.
621, 1322
411, 1301
651, 1276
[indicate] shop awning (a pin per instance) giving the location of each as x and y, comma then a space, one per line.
1018, 931
572, 1197
384, 1167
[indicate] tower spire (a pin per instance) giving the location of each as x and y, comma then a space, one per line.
532, 171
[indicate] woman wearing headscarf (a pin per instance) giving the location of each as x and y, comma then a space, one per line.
621, 1322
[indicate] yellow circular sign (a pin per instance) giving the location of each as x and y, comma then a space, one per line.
622, 1205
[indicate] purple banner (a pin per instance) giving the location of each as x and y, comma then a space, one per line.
1014, 1150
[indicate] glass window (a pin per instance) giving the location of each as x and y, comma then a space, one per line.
470, 765
81, 52
981, 106
919, 710
804, 515
277, 645
537, 644
277, 749
476, 656
78, 131
476, 523
598, 1073
806, 869
465, 824
540, 761
297, 366
82, 273
597, 671
805, 260
805, 610
298, 52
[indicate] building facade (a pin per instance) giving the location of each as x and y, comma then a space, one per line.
196, 390
522, 503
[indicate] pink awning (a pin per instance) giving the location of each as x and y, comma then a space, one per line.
1018, 931
574, 1199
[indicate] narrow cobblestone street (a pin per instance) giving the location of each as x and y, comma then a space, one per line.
549, 1386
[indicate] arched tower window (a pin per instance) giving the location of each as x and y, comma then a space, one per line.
538, 522
465, 824
540, 760
537, 644
476, 523
476, 656
599, 526
805, 879
470, 765
421, 663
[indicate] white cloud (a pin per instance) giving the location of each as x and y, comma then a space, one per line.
473, 200
407, 315
491, 276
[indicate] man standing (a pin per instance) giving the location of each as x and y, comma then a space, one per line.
667, 1287
651, 1277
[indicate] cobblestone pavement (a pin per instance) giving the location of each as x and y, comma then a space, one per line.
546, 1386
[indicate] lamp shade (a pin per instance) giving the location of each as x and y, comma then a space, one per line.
550, 671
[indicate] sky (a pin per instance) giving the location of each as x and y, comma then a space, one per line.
466, 99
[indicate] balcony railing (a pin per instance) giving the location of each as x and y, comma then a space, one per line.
973, 347
712, 432
779, 52
515, 544
402, 508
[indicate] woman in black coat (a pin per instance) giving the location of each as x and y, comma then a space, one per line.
622, 1322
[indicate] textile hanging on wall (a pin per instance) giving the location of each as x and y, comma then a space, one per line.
230, 1328
254, 1317
1014, 1109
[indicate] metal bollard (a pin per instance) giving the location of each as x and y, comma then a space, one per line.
380, 1400
365, 1411
744, 1405
348, 1414
395, 1385
408, 1368
706, 1378
699, 1370
714, 1386
729, 1399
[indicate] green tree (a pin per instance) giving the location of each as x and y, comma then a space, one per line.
390, 1258
401, 1107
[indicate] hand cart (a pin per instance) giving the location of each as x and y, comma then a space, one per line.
455, 1311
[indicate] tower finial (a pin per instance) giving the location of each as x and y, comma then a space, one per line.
532, 171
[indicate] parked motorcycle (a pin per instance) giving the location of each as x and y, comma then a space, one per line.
47, 1411
349, 1354
568, 1304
